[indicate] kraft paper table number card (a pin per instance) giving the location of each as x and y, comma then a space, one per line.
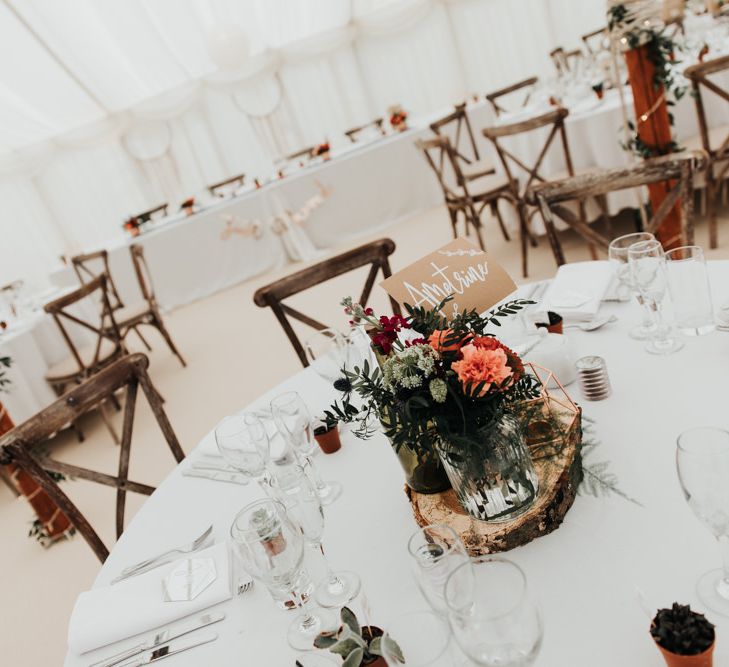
459, 269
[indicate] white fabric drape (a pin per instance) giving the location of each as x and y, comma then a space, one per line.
126, 107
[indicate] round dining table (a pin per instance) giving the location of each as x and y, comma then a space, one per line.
629, 544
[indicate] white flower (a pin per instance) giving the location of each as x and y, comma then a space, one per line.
408, 368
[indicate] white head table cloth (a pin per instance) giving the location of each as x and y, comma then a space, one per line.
586, 574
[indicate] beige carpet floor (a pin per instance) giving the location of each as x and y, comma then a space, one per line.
235, 352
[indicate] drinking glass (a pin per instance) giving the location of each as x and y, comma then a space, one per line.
328, 351
417, 639
648, 270
293, 420
437, 551
702, 460
243, 443
618, 254
688, 283
295, 491
271, 549
491, 614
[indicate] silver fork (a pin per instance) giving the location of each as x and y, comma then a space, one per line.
160, 559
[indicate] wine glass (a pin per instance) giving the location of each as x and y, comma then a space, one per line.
293, 420
243, 443
295, 491
491, 614
702, 460
437, 551
648, 272
328, 351
618, 254
417, 639
271, 549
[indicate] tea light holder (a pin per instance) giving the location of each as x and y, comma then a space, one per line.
593, 378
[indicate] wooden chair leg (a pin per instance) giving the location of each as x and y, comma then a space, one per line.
107, 420
711, 206
144, 342
453, 214
523, 236
159, 324
602, 204
497, 214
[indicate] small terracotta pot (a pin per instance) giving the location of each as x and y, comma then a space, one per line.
705, 659
555, 325
368, 633
329, 441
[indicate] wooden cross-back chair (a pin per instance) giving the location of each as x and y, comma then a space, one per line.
299, 155
220, 185
149, 314
555, 121
90, 265
715, 141
353, 133
676, 170
526, 85
457, 188
374, 254
564, 61
148, 215
21, 445
594, 41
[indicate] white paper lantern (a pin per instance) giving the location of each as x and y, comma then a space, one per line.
228, 45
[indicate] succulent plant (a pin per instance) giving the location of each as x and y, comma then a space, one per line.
325, 423
357, 645
682, 631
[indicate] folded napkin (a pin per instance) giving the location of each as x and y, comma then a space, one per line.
577, 290
109, 614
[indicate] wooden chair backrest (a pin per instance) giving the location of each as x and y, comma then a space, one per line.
527, 84
452, 126
141, 270
20, 445
353, 132
555, 119
593, 41
699, 76
443, 160
93, 264
237, 180
147, 215
304, 153
106, 329
375, 254
564, 60
677, 170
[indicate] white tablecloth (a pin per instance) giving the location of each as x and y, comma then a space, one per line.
585, 574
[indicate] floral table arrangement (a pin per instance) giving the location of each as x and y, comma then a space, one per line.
398, 118
133, 226
447, 394
188, 206
322, 151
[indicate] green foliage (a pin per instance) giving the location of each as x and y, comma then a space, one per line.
352, 642
661, 51
682, 631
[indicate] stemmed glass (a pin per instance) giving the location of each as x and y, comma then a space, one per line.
243, 443
618, 254
328, 351
437, 551
417, 639
271, 549
702, 460
491, 615
293, 420
648, 272
294, 489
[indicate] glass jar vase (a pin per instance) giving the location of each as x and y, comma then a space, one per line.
493, 476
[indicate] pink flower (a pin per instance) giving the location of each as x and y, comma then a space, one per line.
482, 365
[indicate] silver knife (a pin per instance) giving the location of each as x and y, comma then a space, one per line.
167, 651
180, 631
219, 476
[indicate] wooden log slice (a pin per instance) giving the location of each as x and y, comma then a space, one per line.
555, 444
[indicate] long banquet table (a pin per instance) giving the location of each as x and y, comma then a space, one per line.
641, 542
